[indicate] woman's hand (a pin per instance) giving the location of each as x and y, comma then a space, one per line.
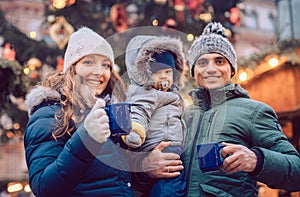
162, 165
97, 123
240, 158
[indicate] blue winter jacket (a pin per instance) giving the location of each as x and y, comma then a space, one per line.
73, 165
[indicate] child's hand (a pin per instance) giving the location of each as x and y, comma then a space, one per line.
133, 140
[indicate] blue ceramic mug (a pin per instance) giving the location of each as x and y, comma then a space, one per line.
210, 157
119, 115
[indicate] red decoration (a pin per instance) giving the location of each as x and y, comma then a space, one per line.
8, 52
60, 64
235, 16
119, 18
193, 5
34, 74
179, 7
170, 23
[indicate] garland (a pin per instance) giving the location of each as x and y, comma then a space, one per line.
288, 48
13, 80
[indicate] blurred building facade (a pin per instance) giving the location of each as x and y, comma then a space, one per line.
26, 15
269, 38
257, 28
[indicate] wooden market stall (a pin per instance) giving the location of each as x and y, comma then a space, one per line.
275, 80
273, 77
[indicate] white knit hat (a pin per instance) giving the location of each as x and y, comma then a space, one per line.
85, 42
213, 39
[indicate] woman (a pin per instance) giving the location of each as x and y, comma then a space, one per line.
69, 151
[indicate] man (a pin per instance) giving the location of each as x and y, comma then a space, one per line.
255, 147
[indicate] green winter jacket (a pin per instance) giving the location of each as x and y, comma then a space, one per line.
229, 115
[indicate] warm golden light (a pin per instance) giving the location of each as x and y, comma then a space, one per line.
155, 22
32, 34
243, 76
179, 7
161, 2
34, 61
9, 134
205, 17
190, 37
16, 126
59, 4
14, 187
26, 71
273, 62
228, 33
31, 66
27, 188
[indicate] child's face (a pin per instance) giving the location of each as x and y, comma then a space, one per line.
163, 79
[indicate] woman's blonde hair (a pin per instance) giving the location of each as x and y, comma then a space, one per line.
73, 108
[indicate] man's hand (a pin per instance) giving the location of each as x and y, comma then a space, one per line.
162, 165
240, 158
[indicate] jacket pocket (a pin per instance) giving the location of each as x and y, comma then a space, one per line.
213, 191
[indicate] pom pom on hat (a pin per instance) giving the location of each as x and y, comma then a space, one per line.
162, 61
212, 40
214, 28
85, 42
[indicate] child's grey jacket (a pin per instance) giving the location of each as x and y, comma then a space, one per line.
159, 112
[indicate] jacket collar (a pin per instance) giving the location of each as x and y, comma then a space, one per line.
206, 99
40, 94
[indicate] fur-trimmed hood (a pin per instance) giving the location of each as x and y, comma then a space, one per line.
40, 94
139, 52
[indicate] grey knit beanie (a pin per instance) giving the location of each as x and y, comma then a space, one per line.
85, 42
212, 40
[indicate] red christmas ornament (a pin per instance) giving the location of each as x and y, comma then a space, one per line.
234, 16
193, 5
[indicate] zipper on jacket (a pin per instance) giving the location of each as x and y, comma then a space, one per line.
208, 133
192, 153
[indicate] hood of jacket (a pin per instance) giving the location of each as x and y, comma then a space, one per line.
139, 52
39, 95
208, 98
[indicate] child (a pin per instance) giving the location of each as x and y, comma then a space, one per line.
154, 66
